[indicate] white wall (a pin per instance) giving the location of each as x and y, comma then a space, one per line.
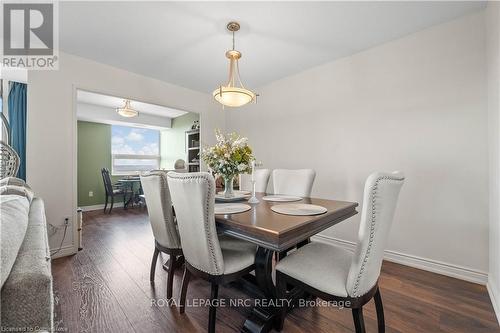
173, 141
417, 104
13, 74
51, 141
493, 61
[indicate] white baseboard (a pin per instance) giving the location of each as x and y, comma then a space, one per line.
65, 251
100, 207
455, 271
494, 297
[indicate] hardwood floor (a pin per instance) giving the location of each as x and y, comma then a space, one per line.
106, 288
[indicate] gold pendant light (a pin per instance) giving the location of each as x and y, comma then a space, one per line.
233, 94
127, 111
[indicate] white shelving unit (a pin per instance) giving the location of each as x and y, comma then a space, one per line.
193, 150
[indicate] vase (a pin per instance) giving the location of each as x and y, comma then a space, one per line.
228, 187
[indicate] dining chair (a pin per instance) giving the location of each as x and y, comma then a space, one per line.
217, 259
334, 274
297, 182
112, 190
162, 220
261, 180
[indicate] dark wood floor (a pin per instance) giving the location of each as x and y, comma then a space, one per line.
106, 288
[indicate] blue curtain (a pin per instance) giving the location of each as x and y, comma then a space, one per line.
17, 104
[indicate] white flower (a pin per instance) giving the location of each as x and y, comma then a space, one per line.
242, 167
240, 142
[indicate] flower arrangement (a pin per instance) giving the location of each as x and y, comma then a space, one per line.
230, 156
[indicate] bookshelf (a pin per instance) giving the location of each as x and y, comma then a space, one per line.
193, 150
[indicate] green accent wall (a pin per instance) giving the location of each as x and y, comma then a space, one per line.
94, 153
173, 140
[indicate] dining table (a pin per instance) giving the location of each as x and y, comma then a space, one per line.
135, 191
276, 233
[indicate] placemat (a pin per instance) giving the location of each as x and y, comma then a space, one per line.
281, 198
230, 208
299, 209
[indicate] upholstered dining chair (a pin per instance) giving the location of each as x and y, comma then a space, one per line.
261, 180
161, 217
293, 182
217, 259
298, 182
335, 274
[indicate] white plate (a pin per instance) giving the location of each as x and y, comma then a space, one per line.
281, 198
230, 208
237, 197
299, 209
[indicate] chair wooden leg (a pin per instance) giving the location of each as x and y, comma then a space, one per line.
281, 295
106, 204
153, 265
185, 283
359, 323
112, 202
171, 272
212, 312
380, 312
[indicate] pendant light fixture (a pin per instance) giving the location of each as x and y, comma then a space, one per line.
127, 111
233, 94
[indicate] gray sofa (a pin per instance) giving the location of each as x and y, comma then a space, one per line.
26, 294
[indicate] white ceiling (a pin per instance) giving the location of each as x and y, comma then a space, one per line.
115, 102
184, 43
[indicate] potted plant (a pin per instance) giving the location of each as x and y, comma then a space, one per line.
230, 157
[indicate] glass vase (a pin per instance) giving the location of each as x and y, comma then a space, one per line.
228, 187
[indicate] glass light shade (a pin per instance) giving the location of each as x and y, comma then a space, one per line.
233, 96
127, 111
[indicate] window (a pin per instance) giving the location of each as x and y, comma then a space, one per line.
134, 150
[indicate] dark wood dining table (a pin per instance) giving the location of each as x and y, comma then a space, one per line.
277, 233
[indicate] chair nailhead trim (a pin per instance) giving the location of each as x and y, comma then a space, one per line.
211, 192
165, 197
372, 233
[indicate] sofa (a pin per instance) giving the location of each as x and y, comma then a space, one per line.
26, 292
